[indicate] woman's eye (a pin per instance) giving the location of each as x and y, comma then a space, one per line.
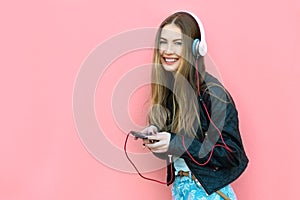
162, 42
178, 43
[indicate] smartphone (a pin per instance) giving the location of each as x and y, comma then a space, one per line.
142, 136
138, 135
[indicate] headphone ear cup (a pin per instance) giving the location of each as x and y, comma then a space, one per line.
202, 48
199, 48
195, 47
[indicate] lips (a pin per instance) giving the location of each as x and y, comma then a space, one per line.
170, 60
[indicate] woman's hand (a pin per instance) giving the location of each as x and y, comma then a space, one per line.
150, 130
162, 142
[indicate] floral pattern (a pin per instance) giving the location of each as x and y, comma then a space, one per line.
185, 188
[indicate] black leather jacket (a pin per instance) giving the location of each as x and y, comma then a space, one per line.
224, 166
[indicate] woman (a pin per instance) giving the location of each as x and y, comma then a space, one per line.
192, 117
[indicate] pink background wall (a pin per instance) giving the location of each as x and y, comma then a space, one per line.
255, 45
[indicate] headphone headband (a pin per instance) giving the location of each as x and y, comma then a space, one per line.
199, 47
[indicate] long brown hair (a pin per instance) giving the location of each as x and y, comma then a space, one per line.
184, 117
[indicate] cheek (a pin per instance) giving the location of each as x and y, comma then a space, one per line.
161, 55
162, 47
161, 52
178, 50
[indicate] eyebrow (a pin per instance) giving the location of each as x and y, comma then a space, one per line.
173, 40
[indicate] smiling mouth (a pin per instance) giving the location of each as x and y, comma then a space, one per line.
170, 61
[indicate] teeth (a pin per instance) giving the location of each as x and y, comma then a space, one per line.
170, 59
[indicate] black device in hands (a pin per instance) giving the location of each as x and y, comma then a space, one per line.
139, 135
142, 136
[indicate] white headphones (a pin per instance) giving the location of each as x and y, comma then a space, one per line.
199, 47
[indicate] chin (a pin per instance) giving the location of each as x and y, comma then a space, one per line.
170, 68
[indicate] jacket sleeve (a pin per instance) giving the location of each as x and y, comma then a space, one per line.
224, 115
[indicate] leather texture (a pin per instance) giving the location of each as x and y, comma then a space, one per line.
224, 167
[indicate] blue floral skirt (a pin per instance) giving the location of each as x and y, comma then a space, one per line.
185, 188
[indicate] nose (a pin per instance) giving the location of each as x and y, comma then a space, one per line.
169, 49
